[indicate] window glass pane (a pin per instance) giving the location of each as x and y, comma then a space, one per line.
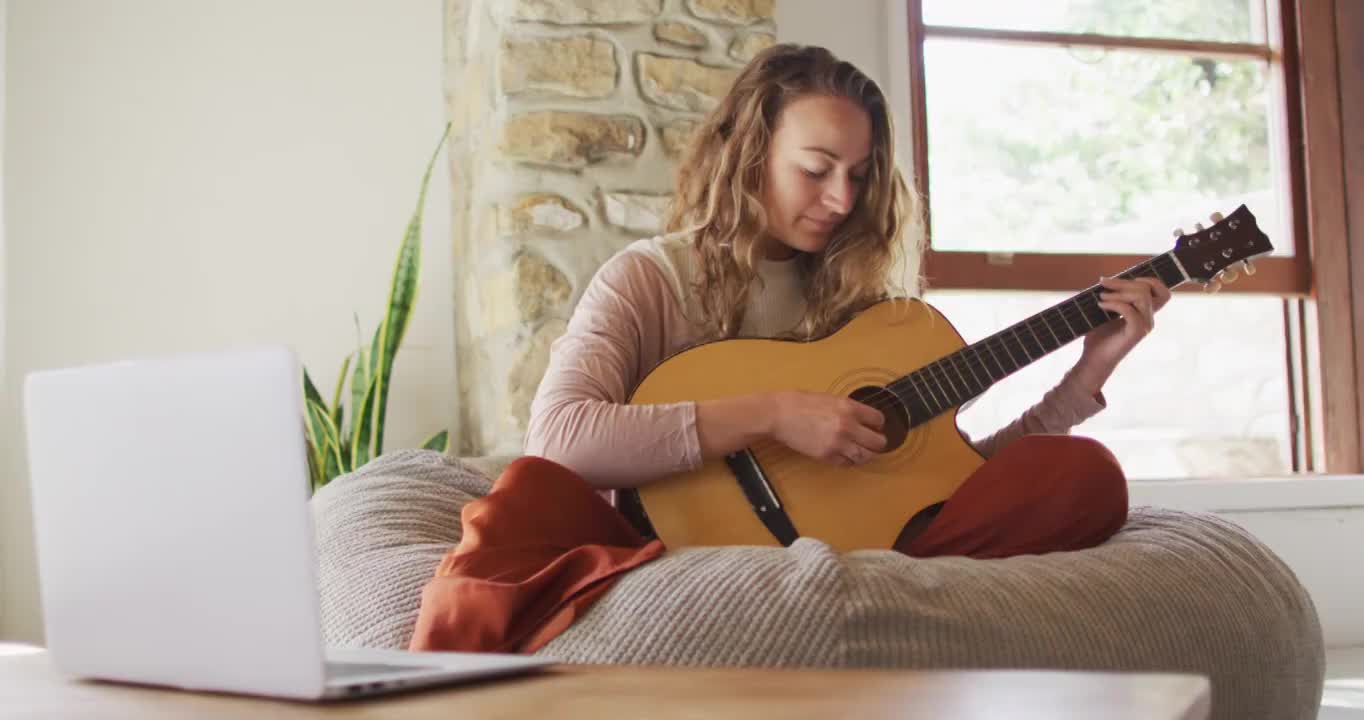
1204, 395
1218, 20
1048, 149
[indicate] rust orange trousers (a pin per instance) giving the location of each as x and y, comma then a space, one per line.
543, 546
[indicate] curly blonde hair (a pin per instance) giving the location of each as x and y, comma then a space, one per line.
720, 188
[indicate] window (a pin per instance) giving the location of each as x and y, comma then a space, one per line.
1060, 140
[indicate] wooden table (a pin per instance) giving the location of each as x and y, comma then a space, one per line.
31, 688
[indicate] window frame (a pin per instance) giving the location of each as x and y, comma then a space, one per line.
965, 269
1318, 30
1309, 132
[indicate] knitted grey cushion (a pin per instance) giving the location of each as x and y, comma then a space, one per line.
381, 532
1171, 592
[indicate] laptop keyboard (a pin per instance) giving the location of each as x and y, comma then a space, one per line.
342, 670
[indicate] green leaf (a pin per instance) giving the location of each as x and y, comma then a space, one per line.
338, 412
362, 426
332, 441
310, 390
317, 439
359, 383
439, 441
402, 295
332, 469
314, 472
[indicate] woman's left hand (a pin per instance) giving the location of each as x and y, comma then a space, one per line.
1137, 302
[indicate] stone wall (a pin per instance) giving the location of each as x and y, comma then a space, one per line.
569, 116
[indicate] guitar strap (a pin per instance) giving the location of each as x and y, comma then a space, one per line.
762, 496
628, 502
760, 493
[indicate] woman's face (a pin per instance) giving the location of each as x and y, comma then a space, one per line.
816, 167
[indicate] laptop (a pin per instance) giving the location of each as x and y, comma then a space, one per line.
174, 537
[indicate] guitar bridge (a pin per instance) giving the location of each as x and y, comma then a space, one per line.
761, 496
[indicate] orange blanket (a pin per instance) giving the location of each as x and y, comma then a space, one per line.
537, 551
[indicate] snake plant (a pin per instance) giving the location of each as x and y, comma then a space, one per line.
335, 446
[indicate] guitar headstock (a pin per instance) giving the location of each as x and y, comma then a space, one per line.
1207, 254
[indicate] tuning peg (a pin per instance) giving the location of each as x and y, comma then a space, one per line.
1215, 217
1198, 227
1212, 286
1228, 276
1247, 268
1179, 232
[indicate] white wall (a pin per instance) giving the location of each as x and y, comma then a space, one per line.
4, 12
186, 176
871, 34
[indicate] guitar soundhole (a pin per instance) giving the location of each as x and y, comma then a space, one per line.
897, 415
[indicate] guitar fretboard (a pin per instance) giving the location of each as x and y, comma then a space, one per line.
952, 380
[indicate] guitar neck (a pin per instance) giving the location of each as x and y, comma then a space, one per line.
953, 380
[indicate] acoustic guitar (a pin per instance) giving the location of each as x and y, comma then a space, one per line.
904, 358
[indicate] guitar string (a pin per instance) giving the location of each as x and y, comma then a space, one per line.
1068, 310
937, 389
1010, 341
1072, 309
1014, 338
1001, 339
1063, 309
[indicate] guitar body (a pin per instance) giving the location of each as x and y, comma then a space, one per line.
864, 506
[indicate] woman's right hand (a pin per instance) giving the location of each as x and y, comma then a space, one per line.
831, 428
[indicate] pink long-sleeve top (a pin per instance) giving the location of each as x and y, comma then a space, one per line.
633, 315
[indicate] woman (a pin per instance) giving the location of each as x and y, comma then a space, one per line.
790, 217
